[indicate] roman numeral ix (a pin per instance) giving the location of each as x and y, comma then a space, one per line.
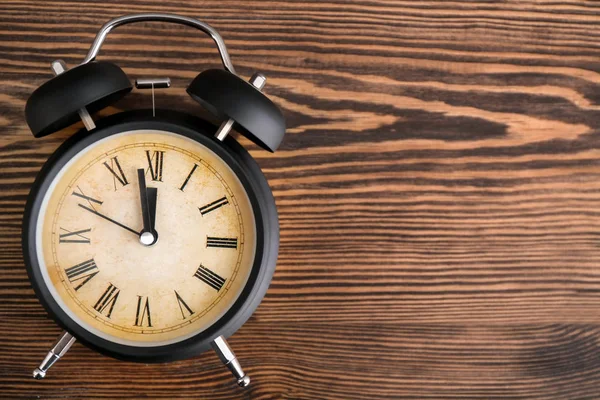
213, 206
74, 236
107, 300
230, 243
155, 164
210, 278
116, 171
82, 272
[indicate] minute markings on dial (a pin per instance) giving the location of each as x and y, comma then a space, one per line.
117, 172
107, 300
82, 272
213, 206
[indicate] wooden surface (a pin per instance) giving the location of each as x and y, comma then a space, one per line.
438, 189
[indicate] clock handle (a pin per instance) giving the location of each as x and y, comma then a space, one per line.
227, 357
62, 345
177, 19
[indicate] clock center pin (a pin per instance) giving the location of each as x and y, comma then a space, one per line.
148, 238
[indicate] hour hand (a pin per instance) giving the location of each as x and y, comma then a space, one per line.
152, 196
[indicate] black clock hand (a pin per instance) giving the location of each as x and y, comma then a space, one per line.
152, 196
147, 218
109, 219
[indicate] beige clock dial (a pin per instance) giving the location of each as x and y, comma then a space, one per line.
106, 279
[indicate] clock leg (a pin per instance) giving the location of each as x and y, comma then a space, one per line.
62, 345
258, 81
227, 356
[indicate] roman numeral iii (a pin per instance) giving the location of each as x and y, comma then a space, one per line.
143, 312
107, 300
155, 164
213, 206
229, 243
210, 278
116, 171
74, 236
82, 273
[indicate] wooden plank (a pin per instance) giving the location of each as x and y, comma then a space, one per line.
437, 192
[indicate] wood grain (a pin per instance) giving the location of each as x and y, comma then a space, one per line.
438, 192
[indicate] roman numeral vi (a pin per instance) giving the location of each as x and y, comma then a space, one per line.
143, 312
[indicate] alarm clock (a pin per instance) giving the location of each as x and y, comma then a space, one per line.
151, 235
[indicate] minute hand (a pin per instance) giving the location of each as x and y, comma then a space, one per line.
109, 219
146, 214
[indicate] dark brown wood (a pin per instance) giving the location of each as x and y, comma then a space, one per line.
438, 190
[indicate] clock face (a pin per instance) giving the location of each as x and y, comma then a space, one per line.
121, 286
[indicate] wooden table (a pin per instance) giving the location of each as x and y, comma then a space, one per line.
438, 192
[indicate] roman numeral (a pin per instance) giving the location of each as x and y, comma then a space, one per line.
89, 199
230, 243
183, 305
210, 278
188, 177
117, 172
143, 311
74, 236
155, 164
213, 206
108, 298
82, 272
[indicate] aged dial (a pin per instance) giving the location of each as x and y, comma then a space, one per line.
146, 238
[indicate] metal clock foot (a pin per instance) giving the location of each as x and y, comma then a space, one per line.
227, 356
62, 345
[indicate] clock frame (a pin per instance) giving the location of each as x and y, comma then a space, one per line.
261, 200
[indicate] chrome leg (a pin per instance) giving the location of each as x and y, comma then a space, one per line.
62, 345
227, 356
258, 81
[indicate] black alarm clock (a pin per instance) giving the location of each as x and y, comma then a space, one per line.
151, 235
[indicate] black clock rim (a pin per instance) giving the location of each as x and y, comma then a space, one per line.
261, 199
